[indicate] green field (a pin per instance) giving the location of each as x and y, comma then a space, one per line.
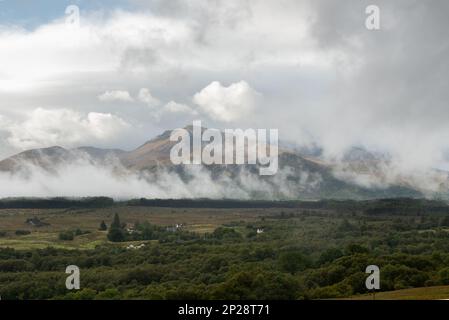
195, 220
430, 293
303, 251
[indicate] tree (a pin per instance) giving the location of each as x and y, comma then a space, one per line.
66, 236
109, 294
116, 232
292, 262
330, 255
257, 285
354, 248
444, 276
445, 222
103, 226
226, 233
346, 226
116, 222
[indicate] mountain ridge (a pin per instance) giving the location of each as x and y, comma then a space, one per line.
306, 177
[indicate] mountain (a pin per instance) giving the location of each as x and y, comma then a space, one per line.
100, 154
150, 154
304, 176
46, 158
49, 158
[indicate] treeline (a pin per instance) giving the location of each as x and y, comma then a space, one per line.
56, 203
380, 206
406, 207
397, 206
215, 204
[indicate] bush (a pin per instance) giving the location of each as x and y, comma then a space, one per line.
292, 262
108, 294
79, 232
84, 294
15, 265
22, 232
226, 233
66, 236
355, 248
258, 285
103, 226
330, 255
444, 276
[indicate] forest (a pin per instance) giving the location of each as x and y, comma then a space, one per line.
284, 252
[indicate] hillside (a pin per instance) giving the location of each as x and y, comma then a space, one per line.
299, 176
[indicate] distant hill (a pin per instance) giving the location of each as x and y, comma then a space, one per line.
152, 153
50, 158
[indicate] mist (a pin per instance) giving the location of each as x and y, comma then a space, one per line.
85, 177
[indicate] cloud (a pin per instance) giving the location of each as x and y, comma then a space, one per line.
116, 95
227, 103
325, 79
146, 97
84, 177
174, 107
50, 127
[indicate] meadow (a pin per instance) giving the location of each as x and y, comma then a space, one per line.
196, 220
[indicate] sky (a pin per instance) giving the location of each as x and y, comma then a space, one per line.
128, 70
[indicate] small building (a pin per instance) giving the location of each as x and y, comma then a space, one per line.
130, 228
174, 228
35, 222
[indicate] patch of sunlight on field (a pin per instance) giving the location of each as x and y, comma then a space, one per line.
41, 240
202, 228
427, 293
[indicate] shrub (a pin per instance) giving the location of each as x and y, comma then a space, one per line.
22, 232
103, 226
66, 236
292, 262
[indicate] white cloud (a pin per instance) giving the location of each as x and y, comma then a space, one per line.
146, 97
324, 77
43, 128
81, 177
115, 95
174, 107
227, 103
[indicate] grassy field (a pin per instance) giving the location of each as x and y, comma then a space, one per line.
195, 220
428, 293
